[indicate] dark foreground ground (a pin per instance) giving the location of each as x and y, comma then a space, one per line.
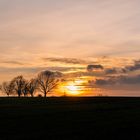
70, 118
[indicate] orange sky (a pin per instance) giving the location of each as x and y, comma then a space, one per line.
68, 36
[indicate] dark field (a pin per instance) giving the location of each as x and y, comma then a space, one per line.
70, 118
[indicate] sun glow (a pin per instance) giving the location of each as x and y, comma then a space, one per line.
72, 89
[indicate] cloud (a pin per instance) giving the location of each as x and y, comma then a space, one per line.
134, 67
64, 69
120, 80
130, 80
37, 69
111, 71
68, 60
105, 82
90, 68
56, 74
13, 62
131, 68
85, 74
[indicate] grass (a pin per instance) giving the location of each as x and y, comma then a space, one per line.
70, 118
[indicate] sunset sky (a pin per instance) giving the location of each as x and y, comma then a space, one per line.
94, 43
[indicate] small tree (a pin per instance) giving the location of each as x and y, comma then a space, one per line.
18, 84
7, 88
32, 86
47, 81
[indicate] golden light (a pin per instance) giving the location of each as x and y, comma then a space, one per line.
78, 87
79, 81
72, 89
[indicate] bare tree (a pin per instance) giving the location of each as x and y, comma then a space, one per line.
18, 83
32, 86
25, 89
7, 88
47, 81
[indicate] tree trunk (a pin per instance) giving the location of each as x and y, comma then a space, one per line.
45, 94
32, 95
19, 93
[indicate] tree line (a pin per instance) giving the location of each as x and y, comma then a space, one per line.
45, 82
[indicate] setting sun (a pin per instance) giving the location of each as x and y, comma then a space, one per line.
72, 89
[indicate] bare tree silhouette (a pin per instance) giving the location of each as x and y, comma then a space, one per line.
32, 86
25, 89
47, 81
18, 83
7, 88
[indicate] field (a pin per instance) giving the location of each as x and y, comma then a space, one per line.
70, 118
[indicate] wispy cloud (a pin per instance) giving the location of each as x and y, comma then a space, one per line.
91, 68
13, 62
134, 67
120, 80
69, 60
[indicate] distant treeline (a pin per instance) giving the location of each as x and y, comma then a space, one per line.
45, 82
